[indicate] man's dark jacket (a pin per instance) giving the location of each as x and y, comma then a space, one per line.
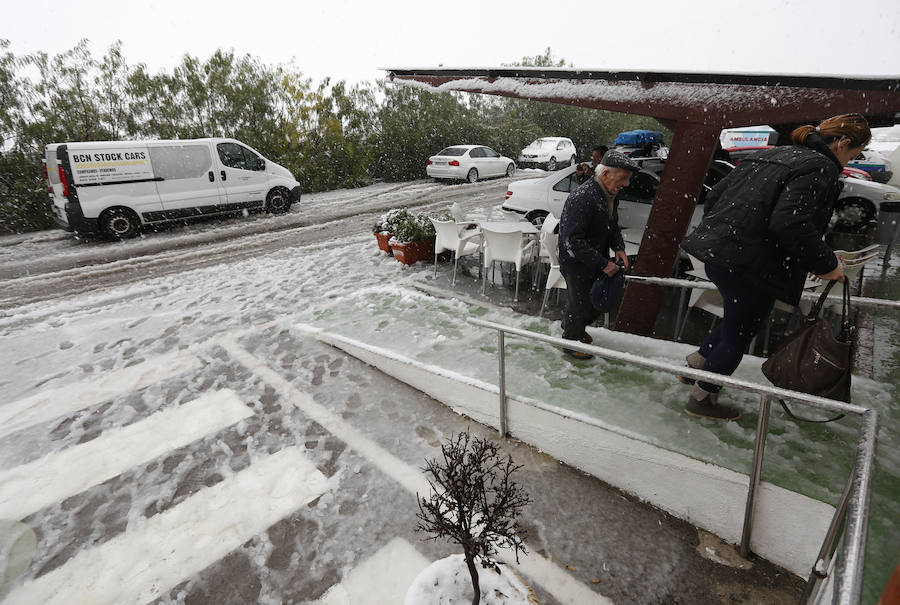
587, 232
765, 220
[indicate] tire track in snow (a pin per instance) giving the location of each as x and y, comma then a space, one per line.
353, 217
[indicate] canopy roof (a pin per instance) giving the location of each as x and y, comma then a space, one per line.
696, 107
719, 99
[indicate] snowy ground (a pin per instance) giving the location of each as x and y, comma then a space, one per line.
177, 427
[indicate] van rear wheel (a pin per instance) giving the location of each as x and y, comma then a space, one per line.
278, 201
120, 223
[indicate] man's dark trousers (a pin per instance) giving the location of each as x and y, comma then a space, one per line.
579, 313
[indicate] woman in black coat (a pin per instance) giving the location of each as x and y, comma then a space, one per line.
761, 234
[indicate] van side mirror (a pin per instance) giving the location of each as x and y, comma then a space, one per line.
260, 164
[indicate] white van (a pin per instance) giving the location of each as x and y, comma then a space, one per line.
115, 187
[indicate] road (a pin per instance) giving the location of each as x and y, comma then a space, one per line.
53, 264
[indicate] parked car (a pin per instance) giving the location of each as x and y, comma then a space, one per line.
536, 198
860, 202
549, 153
877, 165
468, 162
860, 198
116, 188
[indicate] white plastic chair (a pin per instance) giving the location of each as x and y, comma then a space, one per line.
555, 278
853, 261
506, 246
454, 237
547, 231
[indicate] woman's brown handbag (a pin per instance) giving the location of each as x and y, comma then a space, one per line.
812, 360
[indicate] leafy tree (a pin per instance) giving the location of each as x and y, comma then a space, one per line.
473, 502
9, 97
23, 193
328, 135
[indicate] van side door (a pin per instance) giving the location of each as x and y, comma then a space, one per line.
242, 174
188, 185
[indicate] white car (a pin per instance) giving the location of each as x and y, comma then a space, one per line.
536, 198
469, 162
549, 153
860, 201
857, 204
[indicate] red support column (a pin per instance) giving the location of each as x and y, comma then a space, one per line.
689, 158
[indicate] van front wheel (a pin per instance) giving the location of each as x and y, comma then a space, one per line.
120, 223
278, 201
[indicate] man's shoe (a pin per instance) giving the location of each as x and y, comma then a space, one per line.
586, 339
577, 354
695, 360
703, 404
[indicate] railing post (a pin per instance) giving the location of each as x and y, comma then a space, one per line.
826, 552
848, 585
502, 356
762, 427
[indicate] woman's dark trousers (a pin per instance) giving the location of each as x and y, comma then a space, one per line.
746, 308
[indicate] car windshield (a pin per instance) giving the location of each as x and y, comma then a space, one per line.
452, 151
543, 144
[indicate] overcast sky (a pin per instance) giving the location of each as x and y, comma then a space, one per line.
351, 40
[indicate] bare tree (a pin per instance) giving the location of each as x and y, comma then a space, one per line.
473, 502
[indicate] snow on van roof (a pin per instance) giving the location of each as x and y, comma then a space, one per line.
133, 143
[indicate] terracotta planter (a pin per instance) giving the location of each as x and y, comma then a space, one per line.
410, 252
383, 238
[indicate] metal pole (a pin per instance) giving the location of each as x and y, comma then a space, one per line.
848, 586
762, 427
828, 545
502, 357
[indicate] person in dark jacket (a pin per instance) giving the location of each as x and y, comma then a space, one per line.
761, 233
585, 171
588, 229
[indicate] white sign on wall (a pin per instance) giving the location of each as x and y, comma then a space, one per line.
110, 166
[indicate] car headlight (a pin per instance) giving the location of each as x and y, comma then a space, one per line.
892, 195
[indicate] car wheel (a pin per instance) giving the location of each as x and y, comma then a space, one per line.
572, 161
120, 223
278, 201
853, 213
472, 176
536, 217
551, 165
510, 170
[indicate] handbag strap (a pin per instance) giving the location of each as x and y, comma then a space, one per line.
787, 411
817, 308
846, 329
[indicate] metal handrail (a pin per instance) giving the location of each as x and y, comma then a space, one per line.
862, 301
848, 587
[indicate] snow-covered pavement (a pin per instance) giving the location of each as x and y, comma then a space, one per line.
174, 439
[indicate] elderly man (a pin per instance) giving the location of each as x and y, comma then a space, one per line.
588, 230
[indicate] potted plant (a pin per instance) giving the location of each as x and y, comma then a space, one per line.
473, 503
413, 238
384, 228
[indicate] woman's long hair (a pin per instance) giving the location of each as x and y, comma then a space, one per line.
852, 126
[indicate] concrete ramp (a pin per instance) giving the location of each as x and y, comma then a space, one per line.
788, 527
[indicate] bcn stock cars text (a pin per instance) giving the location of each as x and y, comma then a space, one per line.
109, 157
